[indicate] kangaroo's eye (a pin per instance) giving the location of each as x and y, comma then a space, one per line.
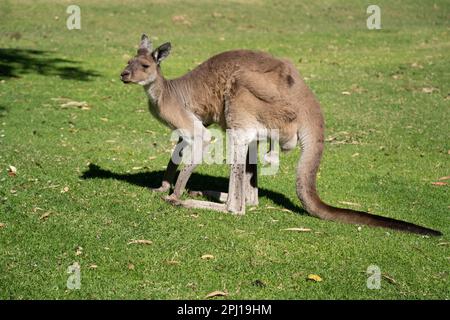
145, 66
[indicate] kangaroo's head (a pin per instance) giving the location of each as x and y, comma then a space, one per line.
144, 67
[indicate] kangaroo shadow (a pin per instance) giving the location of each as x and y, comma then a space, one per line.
16, 62
197, 181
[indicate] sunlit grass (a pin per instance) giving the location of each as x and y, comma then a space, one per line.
387, 142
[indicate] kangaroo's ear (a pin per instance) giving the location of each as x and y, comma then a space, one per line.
162, 52
145, 44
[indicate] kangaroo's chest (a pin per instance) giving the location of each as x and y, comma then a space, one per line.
155, 112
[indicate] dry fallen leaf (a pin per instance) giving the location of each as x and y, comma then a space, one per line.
181, 19
445, 178
2, 225
141, 241
93, 266
77, 104
45, 215
65, 189
389, 278
173, 262
350, 203
207, 257
12, 171
429, 90
216, 294
314, 277
439, 183
178, 18
130, 266
79, 251
297, 229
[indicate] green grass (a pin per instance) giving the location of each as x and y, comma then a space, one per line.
391, 143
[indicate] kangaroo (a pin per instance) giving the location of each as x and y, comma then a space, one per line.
244, 89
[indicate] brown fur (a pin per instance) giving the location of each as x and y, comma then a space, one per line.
248, 89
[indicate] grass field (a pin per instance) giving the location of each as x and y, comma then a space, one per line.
81, 193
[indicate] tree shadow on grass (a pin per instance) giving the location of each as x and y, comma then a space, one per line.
16, 62
196, 182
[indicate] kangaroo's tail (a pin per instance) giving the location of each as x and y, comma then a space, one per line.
312, 143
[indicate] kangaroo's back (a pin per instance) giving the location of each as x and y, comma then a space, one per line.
275, 85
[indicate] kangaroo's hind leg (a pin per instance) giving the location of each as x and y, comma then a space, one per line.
250, 181
235, 202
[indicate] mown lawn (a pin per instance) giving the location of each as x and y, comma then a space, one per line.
81, 193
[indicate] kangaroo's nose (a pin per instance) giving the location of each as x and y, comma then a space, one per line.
125, 76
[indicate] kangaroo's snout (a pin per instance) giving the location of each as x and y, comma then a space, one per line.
125, 76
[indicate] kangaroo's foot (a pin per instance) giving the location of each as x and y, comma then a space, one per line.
195, 204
